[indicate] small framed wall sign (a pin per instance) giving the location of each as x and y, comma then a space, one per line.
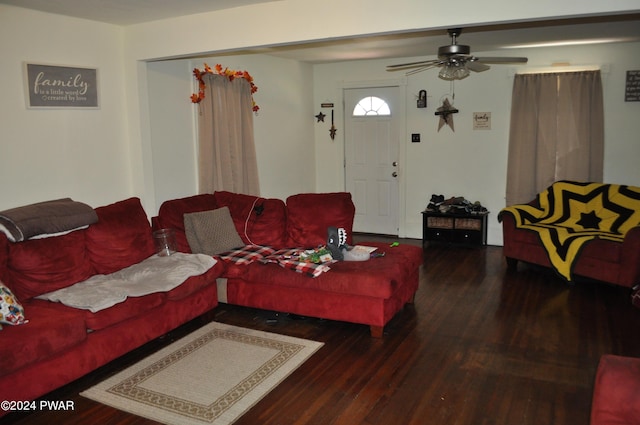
52, 86
632, 86
482, 120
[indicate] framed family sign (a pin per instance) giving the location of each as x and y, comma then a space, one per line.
482, 120
632, 86
52, 86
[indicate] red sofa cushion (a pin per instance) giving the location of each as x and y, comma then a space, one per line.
616, 394
121, 237
603, 250
50, 330
39, 266
133, 307
171, 215
121, 312
376, 278
266, 227
310, 214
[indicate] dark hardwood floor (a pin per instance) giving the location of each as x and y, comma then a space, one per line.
481, 345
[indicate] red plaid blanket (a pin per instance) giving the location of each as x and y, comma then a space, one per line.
247, 254
289, 259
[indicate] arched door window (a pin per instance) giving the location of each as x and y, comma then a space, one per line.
371, 106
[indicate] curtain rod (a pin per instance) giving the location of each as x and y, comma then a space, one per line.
604, 69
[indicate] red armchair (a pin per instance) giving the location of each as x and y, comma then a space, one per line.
575, 209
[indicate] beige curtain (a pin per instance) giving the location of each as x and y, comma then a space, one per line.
226, 149
557, 132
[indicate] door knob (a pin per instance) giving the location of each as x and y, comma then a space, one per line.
394, 174
394, 163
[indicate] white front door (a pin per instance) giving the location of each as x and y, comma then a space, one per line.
371, 157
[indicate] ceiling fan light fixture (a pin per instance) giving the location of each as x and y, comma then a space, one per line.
455, 61
445, 73
453, 71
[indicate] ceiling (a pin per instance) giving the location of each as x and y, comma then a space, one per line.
622, 28
127, 12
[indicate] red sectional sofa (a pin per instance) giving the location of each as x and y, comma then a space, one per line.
60, 344
369, 292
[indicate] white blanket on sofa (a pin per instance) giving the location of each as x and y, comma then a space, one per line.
155, 274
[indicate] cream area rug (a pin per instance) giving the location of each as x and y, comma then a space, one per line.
212, 376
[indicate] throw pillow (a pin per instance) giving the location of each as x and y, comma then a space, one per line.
171, 215
211, 232
11, 311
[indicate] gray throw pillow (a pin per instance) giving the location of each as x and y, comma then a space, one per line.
211, 232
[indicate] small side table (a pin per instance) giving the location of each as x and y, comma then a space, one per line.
459, 228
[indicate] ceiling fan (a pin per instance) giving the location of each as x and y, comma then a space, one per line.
456, 61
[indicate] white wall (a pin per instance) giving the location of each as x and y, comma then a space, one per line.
173, 132
51, 153
282, 128
467, 162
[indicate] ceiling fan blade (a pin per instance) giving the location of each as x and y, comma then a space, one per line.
500, 59
402, 66
423, 68
477, 66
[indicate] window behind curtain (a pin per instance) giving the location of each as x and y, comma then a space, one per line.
557, 132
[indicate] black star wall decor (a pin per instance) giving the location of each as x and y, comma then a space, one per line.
320, 117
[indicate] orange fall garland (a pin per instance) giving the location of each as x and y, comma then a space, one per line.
230, 74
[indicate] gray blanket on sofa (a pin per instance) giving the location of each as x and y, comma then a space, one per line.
154, 274
45, 218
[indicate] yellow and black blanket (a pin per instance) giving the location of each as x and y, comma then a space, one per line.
569, 214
